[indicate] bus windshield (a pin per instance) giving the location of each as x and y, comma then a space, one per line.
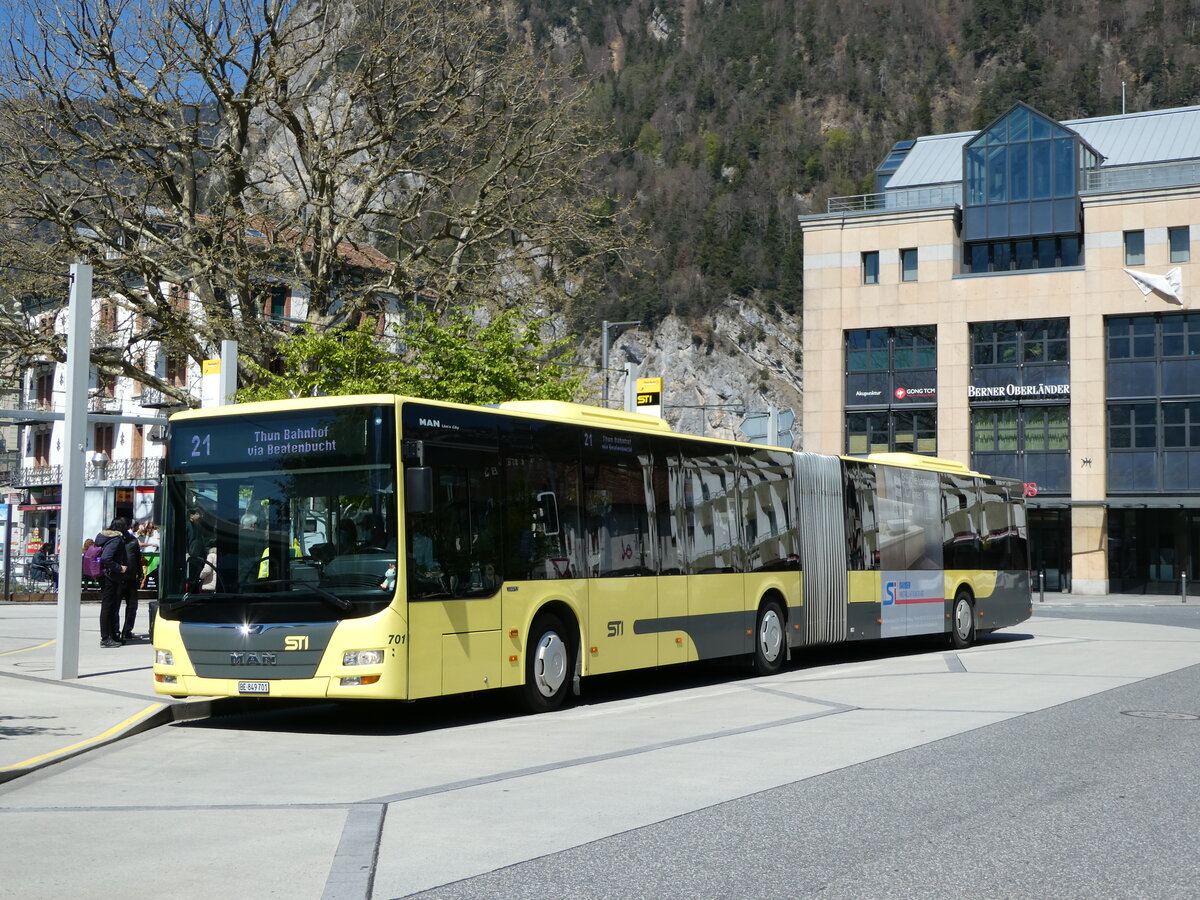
281, 517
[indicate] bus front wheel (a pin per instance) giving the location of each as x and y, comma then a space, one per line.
770, 639
962, 621
549, 661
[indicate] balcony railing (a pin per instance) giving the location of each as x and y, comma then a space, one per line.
140, 468
1095, 181
935, 197
152, 398
37, 476
99, 404
1128, 178
34, 404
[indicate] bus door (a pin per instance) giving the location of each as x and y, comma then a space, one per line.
674, 641
718, 620
909, 515
453, 563
622, 590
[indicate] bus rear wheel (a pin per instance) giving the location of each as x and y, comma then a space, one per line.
549, 665
770, 639
962, 621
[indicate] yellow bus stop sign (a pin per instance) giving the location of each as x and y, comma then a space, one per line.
649, 396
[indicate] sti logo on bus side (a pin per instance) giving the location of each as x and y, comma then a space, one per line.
890, 590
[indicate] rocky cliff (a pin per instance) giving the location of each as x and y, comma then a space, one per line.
740, 359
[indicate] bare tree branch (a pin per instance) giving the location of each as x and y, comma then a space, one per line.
360, 152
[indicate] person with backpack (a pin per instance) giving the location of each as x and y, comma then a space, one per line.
91, 565
131, 583
113, 566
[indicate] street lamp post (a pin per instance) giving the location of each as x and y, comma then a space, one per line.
606, 326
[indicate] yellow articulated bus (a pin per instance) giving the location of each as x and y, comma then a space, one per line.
388, 547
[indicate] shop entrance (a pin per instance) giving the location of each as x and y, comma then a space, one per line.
1050, 548
1150, 549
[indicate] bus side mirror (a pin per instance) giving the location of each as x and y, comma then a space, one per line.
418, 489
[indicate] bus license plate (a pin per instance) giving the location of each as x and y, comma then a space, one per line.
254, 687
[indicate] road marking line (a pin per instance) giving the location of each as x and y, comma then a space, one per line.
24, 649
34, 760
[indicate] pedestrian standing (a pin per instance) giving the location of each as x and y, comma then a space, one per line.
131, 584
113, 566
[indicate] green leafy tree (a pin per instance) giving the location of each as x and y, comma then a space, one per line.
456, 357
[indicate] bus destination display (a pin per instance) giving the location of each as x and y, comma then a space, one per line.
316, 439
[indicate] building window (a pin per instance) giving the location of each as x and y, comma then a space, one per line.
1046, 428
1013, 256
41, 449
1181, 424
1034, 342
274, 301
1153, 391
1046, 341
1180, 240
994, 430
891, 390
43, 389
1132, 426
870, 267
914, 348
895, 431
1181, 335
885, 350
867, 350
867, 432
103, 442
176, 370
1135, 248
1019, 413
908, 264
995, 343
1021, 179
107, 323
914, 431
1131, 337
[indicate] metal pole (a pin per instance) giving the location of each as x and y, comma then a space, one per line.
1183, 585
70, 560
1041, 585
604, 361
8, 552
228, 379
605, 327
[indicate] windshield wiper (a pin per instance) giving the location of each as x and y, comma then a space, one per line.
332, 599
194, 596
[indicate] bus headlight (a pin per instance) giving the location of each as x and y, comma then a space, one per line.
362, 658
164, 658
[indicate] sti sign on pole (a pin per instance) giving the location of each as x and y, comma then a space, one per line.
649, 396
